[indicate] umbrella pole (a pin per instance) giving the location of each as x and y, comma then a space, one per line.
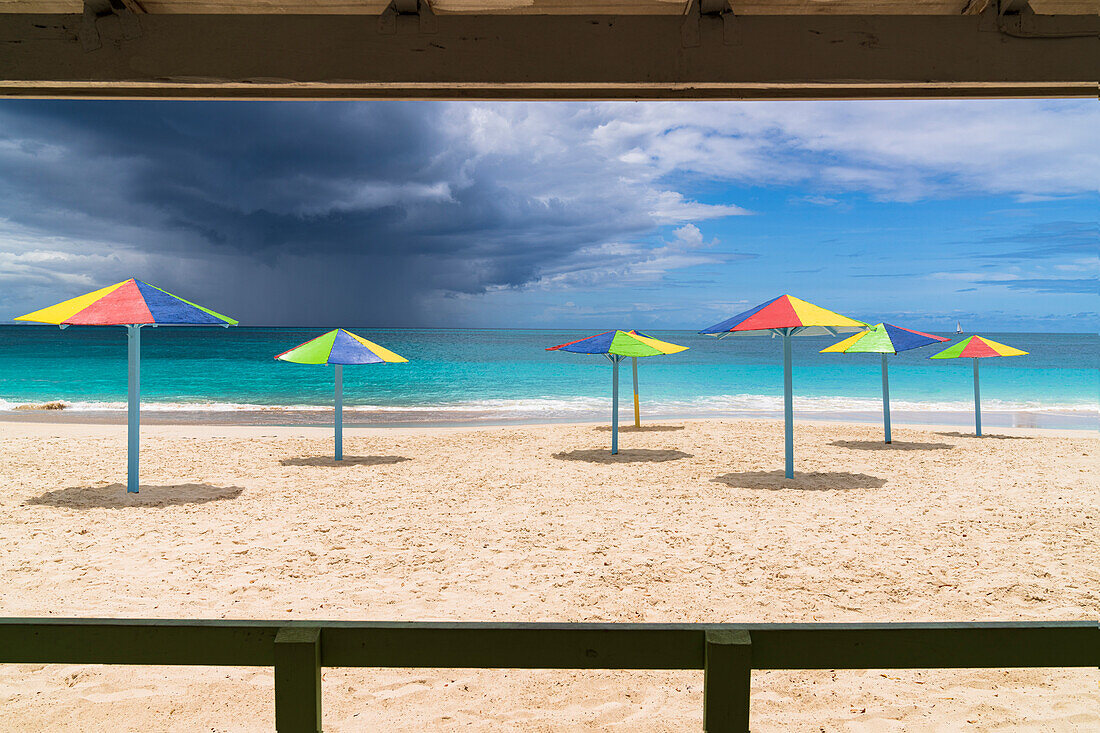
614, 405
637, 412
788, 408
977, 403
133, 407
886, 398
339, 412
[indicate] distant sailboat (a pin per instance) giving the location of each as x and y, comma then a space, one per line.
958, 327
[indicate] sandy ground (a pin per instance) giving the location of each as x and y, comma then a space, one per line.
691, 522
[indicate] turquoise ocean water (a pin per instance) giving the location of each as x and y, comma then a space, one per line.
474, 376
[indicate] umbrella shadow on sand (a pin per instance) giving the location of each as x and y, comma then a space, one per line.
630, 455
986, 436
643, 428
114, 496
826, 481
896, 445
329, 461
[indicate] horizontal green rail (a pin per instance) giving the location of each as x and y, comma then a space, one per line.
727, 652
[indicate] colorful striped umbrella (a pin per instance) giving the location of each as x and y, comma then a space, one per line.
787, 316
340, 347
884, 338
133, 304
616, 346
977, 347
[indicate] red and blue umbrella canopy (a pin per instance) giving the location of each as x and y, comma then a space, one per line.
134, 304
130, 302
884, 338
977, 347
787, 315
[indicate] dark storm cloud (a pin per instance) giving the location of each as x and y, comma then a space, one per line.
300, 212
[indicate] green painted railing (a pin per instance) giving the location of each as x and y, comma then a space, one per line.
726, 652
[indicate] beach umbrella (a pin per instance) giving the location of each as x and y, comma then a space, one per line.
977, 347
133, 304
884, 338
787, 316
340, 347
616, 346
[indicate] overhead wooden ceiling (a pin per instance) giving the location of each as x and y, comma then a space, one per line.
560, 7
549, 49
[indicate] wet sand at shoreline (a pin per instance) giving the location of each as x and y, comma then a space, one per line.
354, 416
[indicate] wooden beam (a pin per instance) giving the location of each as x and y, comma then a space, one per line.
726, 652
555, 7
551, 57
298, 680
727, 680
552, 646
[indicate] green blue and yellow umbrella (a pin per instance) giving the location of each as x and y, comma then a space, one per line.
787, 316
340, 347
616, 346
884, 338
977, 347
133, 304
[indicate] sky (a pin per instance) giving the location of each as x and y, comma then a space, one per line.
560, 215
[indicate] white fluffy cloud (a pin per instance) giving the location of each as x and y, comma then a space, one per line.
891, 150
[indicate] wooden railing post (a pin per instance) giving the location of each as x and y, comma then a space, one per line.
730, 651
727, 675
298, 680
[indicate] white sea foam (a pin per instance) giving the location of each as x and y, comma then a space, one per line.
774, 403
714, 405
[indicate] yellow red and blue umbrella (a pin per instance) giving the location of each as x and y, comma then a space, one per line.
616, 346
339, 347
884, 338
134, 304
977, 347
787, 316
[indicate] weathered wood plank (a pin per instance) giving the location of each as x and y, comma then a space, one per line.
554, 646
727, 681
505, 56
555, 7
298, 680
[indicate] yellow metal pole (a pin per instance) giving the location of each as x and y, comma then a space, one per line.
637, 412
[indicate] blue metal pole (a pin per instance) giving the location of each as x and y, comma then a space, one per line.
977, 403
788, 407
614, 405
886, 398
133, 408
339, 412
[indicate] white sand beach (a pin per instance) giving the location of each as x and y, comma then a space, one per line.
691, 522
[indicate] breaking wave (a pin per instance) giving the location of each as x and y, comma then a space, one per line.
727, 405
